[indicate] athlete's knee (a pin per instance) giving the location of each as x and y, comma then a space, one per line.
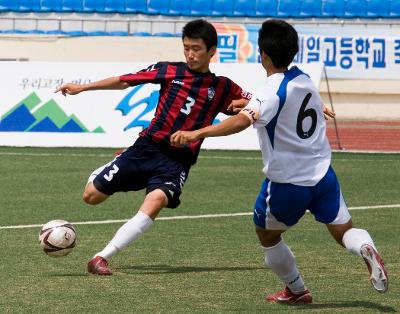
92, 196
268, 238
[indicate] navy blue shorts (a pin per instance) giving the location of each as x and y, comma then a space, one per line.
144, 166
281, 205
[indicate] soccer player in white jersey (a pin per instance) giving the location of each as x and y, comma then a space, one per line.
288, 115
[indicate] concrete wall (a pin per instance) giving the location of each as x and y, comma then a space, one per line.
352, 99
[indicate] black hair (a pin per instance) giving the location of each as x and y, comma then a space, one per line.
279, 40
201, 29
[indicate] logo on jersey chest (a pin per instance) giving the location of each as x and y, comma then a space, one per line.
177, 82
210, 93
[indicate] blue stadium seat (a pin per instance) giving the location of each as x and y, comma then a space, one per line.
332, 8
355, 8
310, 8
72, 6
118, 33
164, 34
157, 7
180, 7
201, 7
244, 8
394, 9
142, 34
8, 5
378, 8
29, 5
288, 8
116, 6
136, 6
51, 5
266, 8
93, 6
222, 8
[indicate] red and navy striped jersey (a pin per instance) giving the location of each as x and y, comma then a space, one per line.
188, 100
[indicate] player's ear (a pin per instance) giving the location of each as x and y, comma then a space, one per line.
212, 51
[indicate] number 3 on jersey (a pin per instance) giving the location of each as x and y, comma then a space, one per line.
188, 105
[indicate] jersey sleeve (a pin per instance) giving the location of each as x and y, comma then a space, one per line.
236, 92
152, 74
262, 106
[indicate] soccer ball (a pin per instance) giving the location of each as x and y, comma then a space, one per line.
57, 238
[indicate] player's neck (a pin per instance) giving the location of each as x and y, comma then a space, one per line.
273, 70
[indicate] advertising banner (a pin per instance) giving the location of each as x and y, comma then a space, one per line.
31, 114
353, 52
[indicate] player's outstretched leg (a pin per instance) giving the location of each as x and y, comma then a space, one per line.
99, 266
287, 296
359, 242
280, 259
376, 268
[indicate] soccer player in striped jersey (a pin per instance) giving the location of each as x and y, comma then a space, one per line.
288, 114
190, 98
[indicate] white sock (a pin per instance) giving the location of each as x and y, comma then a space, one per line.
354, 239
281, 260
125, 235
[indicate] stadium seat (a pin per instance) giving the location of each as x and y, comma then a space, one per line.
378, 8
244, 8
8, 5
332, 8
72, 6
29, 5
142, 34
93, 6
394, 10
136, 6
222, 8
288, 8
266, 8
157, 7
310, 8
355, 8
201, 7
50, 5
114, 6
118, 33
180, 7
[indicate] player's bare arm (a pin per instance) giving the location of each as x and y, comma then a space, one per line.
106, 84
232, 125
237, 105
328, 113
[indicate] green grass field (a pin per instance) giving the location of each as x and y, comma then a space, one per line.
203, 265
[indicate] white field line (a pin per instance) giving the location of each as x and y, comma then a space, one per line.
101, 222
200, 157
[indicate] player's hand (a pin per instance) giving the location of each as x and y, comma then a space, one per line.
69, 89
181, 138
328, 113
237, 105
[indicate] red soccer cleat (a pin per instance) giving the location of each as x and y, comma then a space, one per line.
99, 266
287, 296
376, 268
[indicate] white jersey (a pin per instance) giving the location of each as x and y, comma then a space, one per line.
291, 129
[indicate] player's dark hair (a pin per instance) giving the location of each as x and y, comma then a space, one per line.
201, 29
279, 40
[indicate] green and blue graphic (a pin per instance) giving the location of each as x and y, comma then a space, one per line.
30, 115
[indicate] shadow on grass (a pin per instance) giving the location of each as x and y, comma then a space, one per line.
348, 304
167, 269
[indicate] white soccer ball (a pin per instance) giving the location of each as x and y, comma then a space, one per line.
57, 238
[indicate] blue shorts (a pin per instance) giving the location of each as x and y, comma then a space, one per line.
144, 166
281, 205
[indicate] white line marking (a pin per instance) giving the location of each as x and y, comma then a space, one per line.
102, 222
200, 157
